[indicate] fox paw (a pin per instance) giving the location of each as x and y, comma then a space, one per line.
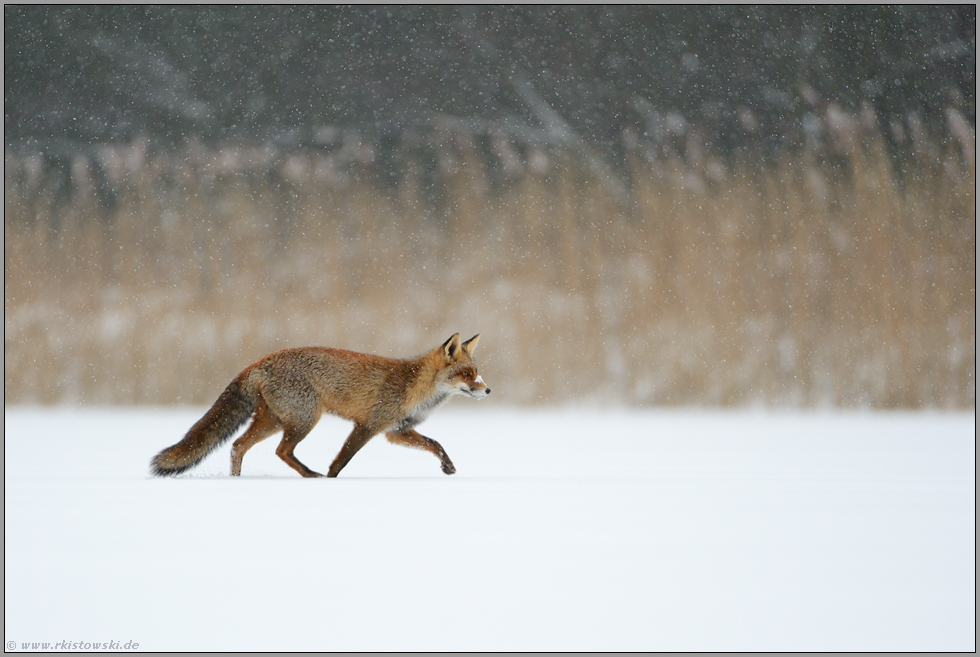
448, 468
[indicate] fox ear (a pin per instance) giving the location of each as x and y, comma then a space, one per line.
470, 345
451, 346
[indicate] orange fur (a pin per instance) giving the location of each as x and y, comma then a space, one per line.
289, 390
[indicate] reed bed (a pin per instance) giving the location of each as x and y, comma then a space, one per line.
841, 277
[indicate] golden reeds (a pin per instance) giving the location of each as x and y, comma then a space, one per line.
815, 281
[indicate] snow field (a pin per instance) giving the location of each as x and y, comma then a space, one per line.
562, 530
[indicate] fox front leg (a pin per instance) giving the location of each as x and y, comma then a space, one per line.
412, 438
355, 441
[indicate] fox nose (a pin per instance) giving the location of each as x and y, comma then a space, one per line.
488, 391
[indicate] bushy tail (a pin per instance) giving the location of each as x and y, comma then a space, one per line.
233, 409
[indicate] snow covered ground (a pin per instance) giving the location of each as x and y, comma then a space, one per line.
563, 530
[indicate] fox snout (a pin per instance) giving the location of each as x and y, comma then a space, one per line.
479, 389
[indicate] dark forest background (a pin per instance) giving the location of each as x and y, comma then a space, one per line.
746, 76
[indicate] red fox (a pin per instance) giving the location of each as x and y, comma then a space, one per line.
289, 390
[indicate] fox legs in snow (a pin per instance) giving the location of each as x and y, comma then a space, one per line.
413, 438
355, 441
410, 438
265, 423
290, 438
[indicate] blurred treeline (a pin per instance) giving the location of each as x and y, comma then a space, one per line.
716, 206
744, 76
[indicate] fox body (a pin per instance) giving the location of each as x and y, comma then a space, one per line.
289, 390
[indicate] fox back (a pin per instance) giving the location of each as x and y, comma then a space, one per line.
373, 390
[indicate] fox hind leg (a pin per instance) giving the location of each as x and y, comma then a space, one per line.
413, 438
290, 439
264, 424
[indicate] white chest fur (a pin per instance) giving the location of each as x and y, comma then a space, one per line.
421, 412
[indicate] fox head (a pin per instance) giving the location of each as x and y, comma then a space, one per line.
458, 375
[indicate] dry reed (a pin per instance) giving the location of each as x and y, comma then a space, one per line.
820, 280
